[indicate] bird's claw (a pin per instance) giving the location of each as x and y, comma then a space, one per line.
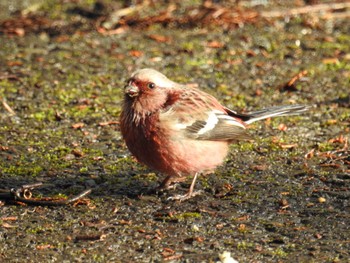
184, 197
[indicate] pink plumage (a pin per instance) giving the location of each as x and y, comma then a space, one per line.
182, 131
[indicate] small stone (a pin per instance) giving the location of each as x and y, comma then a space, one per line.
283, 202
225, 257
69, 157
90, 183
322, 200
195, 228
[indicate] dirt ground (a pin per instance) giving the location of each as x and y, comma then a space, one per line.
282, 198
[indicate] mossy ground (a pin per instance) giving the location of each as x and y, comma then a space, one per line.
282, 198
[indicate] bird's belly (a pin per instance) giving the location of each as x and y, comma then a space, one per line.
193, 156
180, 157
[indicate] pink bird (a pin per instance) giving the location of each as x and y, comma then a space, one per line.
182, 131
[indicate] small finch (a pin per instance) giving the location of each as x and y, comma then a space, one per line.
182, 131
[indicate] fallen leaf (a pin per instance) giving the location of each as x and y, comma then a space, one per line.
19, 32
339, 139
10, 218
282, 127
106, 123
78, 125
331, 122
215, 44
117, 31
41, 247
159, 38
7, 225
251, 53
125, 222
78, 153
242, 227
288, 146
330, 61
14, 63
261, 167
136, 53
318, 236
310, 154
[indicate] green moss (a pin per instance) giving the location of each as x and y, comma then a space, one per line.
39, 116
243, 245
150, 177
279, 252
335, 259
197, 61
326, 146
189, 46
339, 65
243, 146
345, 116
36, 230
84, 170
187, 216
98, 257
328, 46
23, 169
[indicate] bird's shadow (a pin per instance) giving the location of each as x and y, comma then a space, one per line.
116, 187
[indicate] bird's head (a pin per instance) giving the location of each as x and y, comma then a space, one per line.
147, 90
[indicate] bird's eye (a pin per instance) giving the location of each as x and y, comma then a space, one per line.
151, 85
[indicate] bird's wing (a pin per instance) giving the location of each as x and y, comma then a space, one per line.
198, 115
217, 126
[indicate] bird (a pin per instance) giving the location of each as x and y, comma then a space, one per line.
182, 131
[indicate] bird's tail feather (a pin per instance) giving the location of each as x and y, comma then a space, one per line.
270, 112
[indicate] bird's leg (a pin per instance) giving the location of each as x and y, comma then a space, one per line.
170, 182
190, 192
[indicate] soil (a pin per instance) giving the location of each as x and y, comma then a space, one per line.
283, 197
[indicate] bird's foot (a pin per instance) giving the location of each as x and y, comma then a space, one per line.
171, 186
184, 197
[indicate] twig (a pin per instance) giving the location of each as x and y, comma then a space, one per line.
305, 10
339, 15
7, 107
290, 84
8, 76
55, 203
97, 237
24, 195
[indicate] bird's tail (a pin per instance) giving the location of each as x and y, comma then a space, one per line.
270, 112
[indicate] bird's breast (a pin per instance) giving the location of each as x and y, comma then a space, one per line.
168, 151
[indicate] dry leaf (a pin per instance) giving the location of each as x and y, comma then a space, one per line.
159, 38
282, 127
136, 53
7, 225
41, 247
215, 44
78, 125
330, 61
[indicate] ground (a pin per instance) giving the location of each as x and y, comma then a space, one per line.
283, 197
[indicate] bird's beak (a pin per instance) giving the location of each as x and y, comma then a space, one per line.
131, 90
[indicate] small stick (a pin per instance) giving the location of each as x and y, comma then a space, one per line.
7, 107
24, 195
290, 84
305, 10
54, 203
